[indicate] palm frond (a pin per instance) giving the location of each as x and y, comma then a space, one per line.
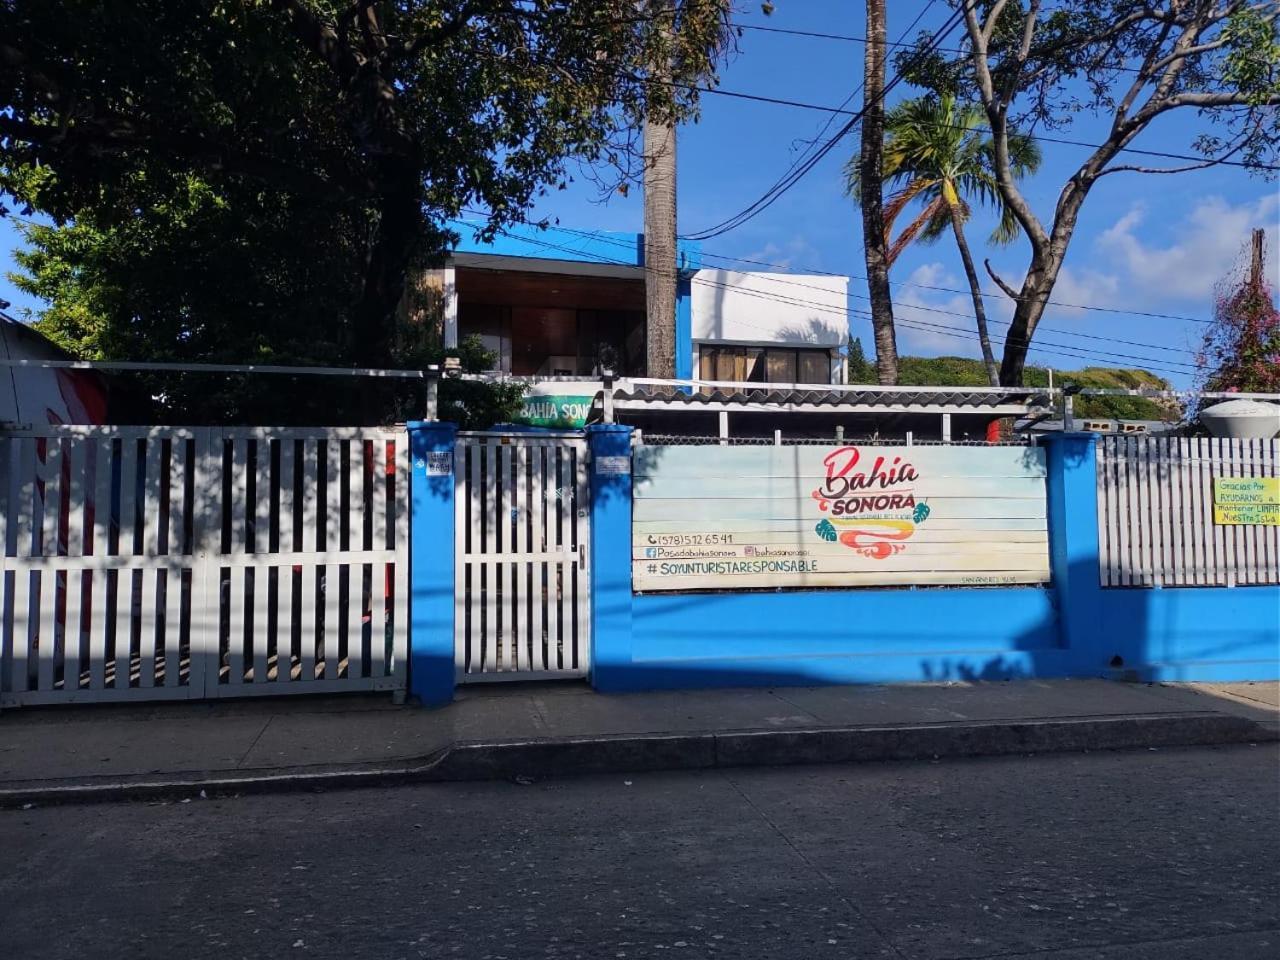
913, 229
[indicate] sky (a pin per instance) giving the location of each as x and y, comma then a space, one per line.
1145, 243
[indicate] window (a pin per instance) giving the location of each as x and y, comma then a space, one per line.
764, 365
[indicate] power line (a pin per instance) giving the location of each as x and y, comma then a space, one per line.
847, 100
771, 196
849, 38
781, 102
1068, 350
905, 283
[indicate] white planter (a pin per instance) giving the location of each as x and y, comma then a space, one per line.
1243, 419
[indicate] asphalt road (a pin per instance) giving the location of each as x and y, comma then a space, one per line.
1162, 854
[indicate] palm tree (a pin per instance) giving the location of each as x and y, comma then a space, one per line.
937, 154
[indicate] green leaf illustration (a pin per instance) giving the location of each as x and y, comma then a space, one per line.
921, 513
826, 530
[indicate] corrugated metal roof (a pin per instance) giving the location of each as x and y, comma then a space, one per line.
846, 397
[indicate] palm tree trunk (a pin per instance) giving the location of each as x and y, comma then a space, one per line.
979, 307
660, 248
871, 173
660, 226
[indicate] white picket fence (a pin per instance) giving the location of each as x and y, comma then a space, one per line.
187, 563
522, 591
1155, 513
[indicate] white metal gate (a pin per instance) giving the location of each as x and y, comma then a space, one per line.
183, 563
522, 591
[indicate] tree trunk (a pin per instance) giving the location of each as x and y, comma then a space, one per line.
398, 231
660, 248
871, 163
979, 307
660, 226
1032, 299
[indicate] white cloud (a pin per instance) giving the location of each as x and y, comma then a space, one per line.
935, 309
796, 252
1209, 239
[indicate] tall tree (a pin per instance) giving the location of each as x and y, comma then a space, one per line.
1039, 63
937, 156
1241, 350
393, 115
872, 195
660, 276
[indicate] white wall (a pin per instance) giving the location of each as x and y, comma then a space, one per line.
770, 308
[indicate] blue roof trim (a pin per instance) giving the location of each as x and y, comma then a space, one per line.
564, 243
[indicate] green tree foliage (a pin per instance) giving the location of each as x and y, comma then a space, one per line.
861, 370
964, 372
1126, 65
252, 179
938, 158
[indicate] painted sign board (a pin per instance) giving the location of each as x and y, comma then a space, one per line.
439, 463
840, 516
1246, 500
618, 466
557, 405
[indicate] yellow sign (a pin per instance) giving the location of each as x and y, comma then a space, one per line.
1246, 500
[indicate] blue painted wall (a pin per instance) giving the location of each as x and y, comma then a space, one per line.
1072, 628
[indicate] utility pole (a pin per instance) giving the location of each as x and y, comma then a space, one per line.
1255, 268
871, 172
660, 216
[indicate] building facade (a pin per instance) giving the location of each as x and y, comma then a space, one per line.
569, 303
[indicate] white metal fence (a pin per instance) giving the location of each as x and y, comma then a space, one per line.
1155, 513
522, 591
176, 563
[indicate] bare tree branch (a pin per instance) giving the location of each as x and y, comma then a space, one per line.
1009, 291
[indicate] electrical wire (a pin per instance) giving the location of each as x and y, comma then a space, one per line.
905, 283
1068, 350
1044, 138
773, 194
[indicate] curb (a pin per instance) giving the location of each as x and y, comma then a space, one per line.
645, 753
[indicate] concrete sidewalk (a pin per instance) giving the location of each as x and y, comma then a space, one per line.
494, 731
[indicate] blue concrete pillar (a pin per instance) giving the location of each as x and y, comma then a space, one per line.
684, 328
431, 579
1073, 550
610, 564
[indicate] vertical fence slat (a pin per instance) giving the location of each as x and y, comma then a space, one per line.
148, 625
19, 676
581, 593
310, 494
151, 505
475, 638
285, 544
378, 581
1180, 570
321, 657
522, 505
126, 536
21, 505
538, 571
75, 506
71, 623
99, 590
259, 636
51, 473
462, 527
24, 488
1102, 487
507, 642
400, 536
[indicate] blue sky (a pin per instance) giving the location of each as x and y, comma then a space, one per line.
1154, 244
